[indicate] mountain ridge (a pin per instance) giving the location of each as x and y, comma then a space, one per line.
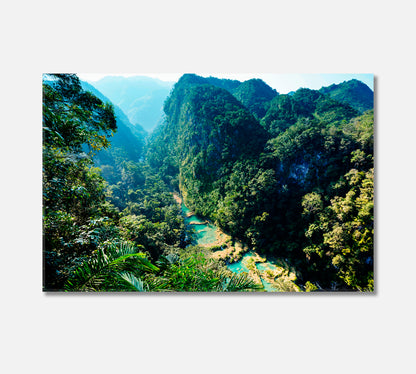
352, 92
141, 98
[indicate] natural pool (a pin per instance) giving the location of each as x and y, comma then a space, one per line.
240, 267
206, 234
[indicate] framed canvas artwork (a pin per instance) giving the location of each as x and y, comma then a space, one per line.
208, 183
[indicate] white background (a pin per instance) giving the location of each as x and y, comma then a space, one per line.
43, 333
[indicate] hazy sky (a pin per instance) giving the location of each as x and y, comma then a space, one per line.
283, 83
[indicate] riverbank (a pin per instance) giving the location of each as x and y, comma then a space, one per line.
223, 247
177, 198
274, 277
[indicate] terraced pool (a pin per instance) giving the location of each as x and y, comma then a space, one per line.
206, 234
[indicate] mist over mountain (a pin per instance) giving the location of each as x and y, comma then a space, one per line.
141, 98
128, 139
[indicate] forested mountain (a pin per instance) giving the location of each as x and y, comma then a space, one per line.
127, 236
353, 92
140, 98
285, 110
131, 145
205, 129
258, 180
255, 95
124, 146
289, 176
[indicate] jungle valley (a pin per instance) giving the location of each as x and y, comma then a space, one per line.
225, 186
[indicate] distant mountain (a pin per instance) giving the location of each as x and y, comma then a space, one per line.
124, 143
141, 98
353, 92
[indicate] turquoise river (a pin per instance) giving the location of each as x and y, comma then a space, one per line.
206, 235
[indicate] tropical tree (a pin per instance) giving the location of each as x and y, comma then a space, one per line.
75, 124
194, 271
116, 267
342, 235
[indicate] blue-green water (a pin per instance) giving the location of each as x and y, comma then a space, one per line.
240, 267
262, 266
206, 234
268, 286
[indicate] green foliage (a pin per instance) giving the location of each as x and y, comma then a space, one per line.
342, 234
127, 144
192, 271
264, 188
354, 93
136, 284
112, 268
121, 268
312, 204
201, 140
283, 284
149, 217
297, 185
255, 95
72, 117
282, 113
286, 110
76, 216
310, 287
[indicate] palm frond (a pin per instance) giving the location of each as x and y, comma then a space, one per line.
101, 272
115, 250
137, 261
168, 260
238, 282
90, 276
136, 283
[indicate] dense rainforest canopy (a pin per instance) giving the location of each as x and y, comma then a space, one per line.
290, 176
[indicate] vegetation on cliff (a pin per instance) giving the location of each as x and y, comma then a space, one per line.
291, 176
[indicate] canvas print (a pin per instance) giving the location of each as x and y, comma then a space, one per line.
208, 182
